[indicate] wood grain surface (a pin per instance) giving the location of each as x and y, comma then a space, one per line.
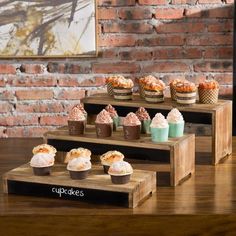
209, 197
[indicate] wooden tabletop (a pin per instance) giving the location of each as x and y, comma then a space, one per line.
212, 190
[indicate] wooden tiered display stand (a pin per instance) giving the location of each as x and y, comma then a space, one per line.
217, 116
96, 188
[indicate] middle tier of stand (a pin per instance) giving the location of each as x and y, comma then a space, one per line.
173, 160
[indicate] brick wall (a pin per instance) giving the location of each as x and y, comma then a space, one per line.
168, 38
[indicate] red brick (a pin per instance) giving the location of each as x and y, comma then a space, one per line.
226, 12
128, 28
66, 68
189, 53
33, 81
32, 68
96, 91
213, 66
222, 53
116, 41
226, 92
70, 94
135, 14
70, 81
177, 2
166, 67
28, 131
34, 94
137, 54
220, 26
7, 95
109, 53
18, 120
211, 39
119, 67
225, 79
107, 14
53, 120
152, 2
5, 107
169, 13
7, 69
209, 1
116, 3
194, 12
168, 40
37, 107
229, 1
181, 27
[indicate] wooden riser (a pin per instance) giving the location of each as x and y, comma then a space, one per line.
97, 188
176, 157
215, 119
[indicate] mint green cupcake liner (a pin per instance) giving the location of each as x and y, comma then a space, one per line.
145, 126
159, 134
176, 130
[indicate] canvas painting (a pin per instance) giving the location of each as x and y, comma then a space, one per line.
47, 28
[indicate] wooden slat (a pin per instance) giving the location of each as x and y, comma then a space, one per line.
104, 99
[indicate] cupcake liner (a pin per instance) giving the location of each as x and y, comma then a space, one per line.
79, 174
132, 132
106, 168
159, 134
208, 96
173, 93
124, 179
141, 90
76, 127
122, 93
42, 171
103, 130
154, 96
110, 89
176, 130
145, 126
186, 98
116, 122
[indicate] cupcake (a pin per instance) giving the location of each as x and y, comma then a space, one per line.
113, 113
108, 158
79, 168
77, 153
123, 89
120, 172
176, 123
172, 88
186, 93
76, 121
104, 124
143, 81
154, 91
145, 120
131, 127
159, 128
109, 82
43, 159
208, 92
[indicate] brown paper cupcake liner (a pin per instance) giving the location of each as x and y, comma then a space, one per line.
106, 168
173, 93
104, 130
141, 90
208, 96
42, 171
79, 174
110, 89
124, 179
132, 132
76, 127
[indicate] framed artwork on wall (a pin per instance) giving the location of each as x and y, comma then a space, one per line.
48, 28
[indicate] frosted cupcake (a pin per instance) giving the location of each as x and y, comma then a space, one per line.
145, 120
108, 158
120, 172
123, 89
159, 128
76, 121
77, 153
143, 81
186, 93
176, 123
173, 83
208, 92
131, 127
104, 124
79, 168
109, 82
113, 113
154, 91
43, 159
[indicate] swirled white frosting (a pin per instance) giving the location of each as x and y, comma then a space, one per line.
159, 121
42, 160
79, 164
174, 116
